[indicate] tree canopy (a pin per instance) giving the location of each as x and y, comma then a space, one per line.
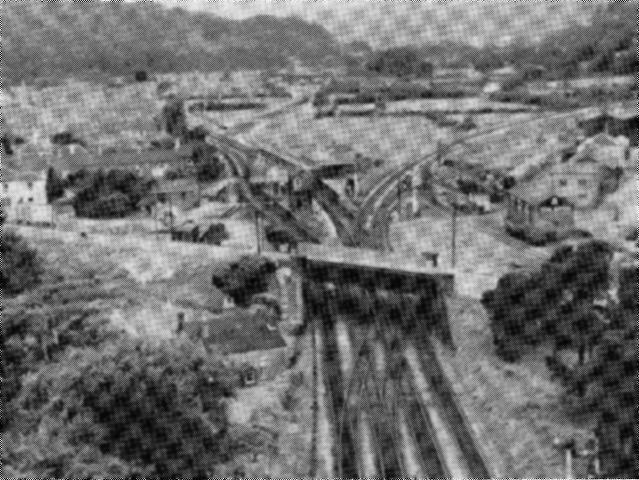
401, 62
243, 279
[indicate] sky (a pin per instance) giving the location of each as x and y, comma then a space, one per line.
399, 22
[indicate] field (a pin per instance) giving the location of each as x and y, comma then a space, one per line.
388, 138
97, 113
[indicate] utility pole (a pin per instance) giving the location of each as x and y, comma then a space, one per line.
257, 232
454, 235
171, 216
399, 200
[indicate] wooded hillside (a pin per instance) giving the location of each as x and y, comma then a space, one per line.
43, 39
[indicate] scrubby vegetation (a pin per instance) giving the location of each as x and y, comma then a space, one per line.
111, 194
594, 347
207, 161
20, 267
244, 279
400, 62
83, 399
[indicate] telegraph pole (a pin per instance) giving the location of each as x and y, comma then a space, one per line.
454, 235
257, 232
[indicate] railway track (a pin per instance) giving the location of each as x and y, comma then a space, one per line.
371, 224
386, 423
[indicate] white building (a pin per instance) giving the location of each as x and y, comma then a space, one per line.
607, 150
24, 197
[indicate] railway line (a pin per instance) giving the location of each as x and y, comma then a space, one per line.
371, 224
392, 410
392, 415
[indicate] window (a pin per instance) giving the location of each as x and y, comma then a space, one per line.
563, 182
5, 186
582, 182
30, 199
29, 185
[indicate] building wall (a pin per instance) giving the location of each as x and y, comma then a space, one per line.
182, 200
17, 193
268, 363
583, 190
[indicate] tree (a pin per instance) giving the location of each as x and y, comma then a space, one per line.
20, 268
55, 185
556, 303
551, 304
245, 278
206, 159
115, 193
400, 61
174, 118
152, 409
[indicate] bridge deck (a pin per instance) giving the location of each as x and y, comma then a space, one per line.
373, 259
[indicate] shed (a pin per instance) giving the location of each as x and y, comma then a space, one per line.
244, 339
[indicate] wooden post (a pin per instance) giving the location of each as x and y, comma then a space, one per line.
257, 232
454, 236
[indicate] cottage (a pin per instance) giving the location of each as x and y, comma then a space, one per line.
619, 121
539, 215
244, 338
605, 149
272, 179
581, 180
182, 193
24, 197
153, 162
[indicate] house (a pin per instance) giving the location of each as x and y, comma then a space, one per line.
272, 179
538, 215
154, 162
619, 121
605, 149
356, 109
244, 338
504, 73
24, 196
183, 193
457, 74
227, 190
581, 179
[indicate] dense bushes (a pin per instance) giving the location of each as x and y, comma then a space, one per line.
113, 194
400, 61
208, 164
83, 399
245, 278
552, 304
555, 305
19, 266
157, 409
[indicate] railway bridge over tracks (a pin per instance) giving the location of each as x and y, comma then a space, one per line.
391, 410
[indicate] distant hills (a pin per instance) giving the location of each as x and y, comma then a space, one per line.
59, 39
605, 44
49, 39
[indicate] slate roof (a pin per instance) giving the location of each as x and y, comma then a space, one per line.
235, 331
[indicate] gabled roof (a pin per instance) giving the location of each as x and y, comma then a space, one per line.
605, 140
533, 192
175, 186
20, 176
235, 331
